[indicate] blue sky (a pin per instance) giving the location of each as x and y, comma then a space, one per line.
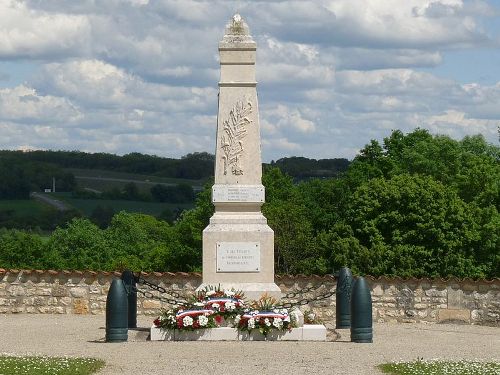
126, 76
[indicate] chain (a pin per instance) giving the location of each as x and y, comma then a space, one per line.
305, 301
172, 293
344, 287
176, 300
170, 301
297, 293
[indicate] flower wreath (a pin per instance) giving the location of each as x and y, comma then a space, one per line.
209, 308
266, 321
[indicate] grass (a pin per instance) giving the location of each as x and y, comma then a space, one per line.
441, 367
103, 180
86, 206
25, 207
42, 365
131, 176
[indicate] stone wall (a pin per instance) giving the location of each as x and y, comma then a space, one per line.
394, 299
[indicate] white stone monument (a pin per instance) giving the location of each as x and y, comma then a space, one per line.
238, 245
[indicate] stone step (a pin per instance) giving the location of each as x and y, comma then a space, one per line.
312, 332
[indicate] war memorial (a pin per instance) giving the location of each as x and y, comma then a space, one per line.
238, 244
238, 298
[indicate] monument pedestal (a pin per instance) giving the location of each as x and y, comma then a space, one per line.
239, 252
314, 332
238, 245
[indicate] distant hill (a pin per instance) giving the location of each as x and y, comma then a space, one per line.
301, 168
98, 185
195, 166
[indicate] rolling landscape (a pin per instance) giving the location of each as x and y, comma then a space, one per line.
97, 186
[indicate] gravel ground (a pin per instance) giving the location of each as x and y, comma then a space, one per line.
73, 335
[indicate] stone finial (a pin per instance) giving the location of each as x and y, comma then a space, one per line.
237, 31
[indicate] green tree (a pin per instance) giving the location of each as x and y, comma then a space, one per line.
131, 191
295, 248
102, 216
20, 249
131, 236
414, 226
80, 246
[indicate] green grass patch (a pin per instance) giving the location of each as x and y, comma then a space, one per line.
41, 365
86, 206
441, 367
23, 207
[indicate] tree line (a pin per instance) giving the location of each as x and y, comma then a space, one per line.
19, 177
193, 166
414, 205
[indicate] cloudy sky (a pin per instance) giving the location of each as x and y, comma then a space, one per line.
124, 76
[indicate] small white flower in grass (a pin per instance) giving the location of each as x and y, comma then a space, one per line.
237, 319
230, 306
215, 306
203, 320
251, 323
277, 322
187, 321
267, 322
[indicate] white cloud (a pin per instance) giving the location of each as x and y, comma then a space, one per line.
406, 24
29, 33
140, 75
24, 104
283, 146
370, 58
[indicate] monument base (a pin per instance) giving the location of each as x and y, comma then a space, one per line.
238, 252
251, 291
313, 332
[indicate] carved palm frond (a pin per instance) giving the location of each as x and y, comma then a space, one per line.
235, 130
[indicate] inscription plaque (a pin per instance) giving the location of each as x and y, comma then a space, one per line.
238, 256
238, 193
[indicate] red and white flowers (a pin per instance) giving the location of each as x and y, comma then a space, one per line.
211, 307
265, 321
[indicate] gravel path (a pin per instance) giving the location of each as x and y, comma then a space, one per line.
57, 204
73, 335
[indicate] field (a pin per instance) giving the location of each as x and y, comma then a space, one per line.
101, 180
86, 206
34, 213
22, 208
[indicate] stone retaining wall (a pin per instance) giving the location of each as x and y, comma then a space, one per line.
394, 299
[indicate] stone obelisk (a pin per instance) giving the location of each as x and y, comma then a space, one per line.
238, 245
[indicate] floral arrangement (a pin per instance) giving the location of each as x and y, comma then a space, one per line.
310, 317
265, 321
190, 320
213, 306
225, 303
265, 317
208, 308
